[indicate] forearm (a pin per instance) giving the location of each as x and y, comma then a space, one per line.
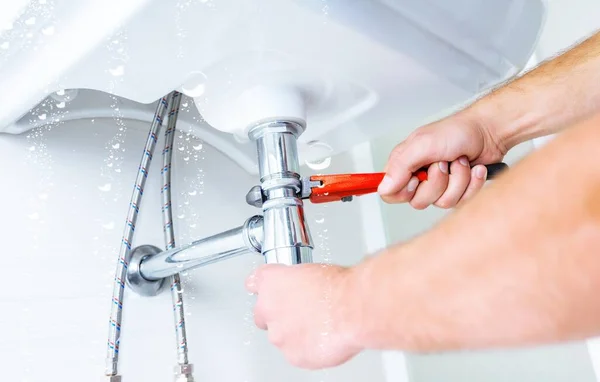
554, 95
517, 265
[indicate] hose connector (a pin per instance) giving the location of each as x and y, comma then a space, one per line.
183, 373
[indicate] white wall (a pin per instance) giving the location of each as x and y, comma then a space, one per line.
64, 206
568, 21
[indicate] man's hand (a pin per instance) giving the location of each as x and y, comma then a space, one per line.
449, 148
304, 308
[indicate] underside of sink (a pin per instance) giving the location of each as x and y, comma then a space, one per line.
348, 71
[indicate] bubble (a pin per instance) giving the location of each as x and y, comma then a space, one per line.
195, 86
320, 150
117, 71
105, 188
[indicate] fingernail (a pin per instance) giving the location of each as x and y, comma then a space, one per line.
386, 186
480, 172
412, 185
464, 161
443, 167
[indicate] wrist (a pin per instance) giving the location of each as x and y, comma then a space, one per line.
369, 304
507, 118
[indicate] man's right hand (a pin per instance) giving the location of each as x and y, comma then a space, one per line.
448, 148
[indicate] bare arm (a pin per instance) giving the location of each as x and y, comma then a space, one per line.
556, 94
553, 96
517, 265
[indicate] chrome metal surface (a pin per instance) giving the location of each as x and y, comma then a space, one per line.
184, 373
116, 311
169, 233
154, 268
135, 280
114, 378
255, 197
287, 239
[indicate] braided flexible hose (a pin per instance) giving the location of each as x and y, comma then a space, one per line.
116, 311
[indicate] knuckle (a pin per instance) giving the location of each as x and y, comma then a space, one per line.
276, 338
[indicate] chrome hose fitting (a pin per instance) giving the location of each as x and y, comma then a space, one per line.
184, 373
287, 239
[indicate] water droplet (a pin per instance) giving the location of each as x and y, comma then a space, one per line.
105, 188
34, 216
185, 104
181, 216
30, 21
181, 148
195, 86
48, 31
117, 170
5, 45
320, 219
43, 196
42, 116
116, 145
192, 193
117, 71
64, 95
32, 148
61, 105
199, 147
109, 225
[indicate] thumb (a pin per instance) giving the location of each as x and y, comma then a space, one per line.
405, 159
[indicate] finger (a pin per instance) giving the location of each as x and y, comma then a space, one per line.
256, 279
478, 178
405, 195
405, 159
431, 190
459, 178
259, 318
275, 335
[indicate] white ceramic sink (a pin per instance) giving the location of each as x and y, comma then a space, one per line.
350, 69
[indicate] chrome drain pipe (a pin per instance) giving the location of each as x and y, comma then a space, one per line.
150, 267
